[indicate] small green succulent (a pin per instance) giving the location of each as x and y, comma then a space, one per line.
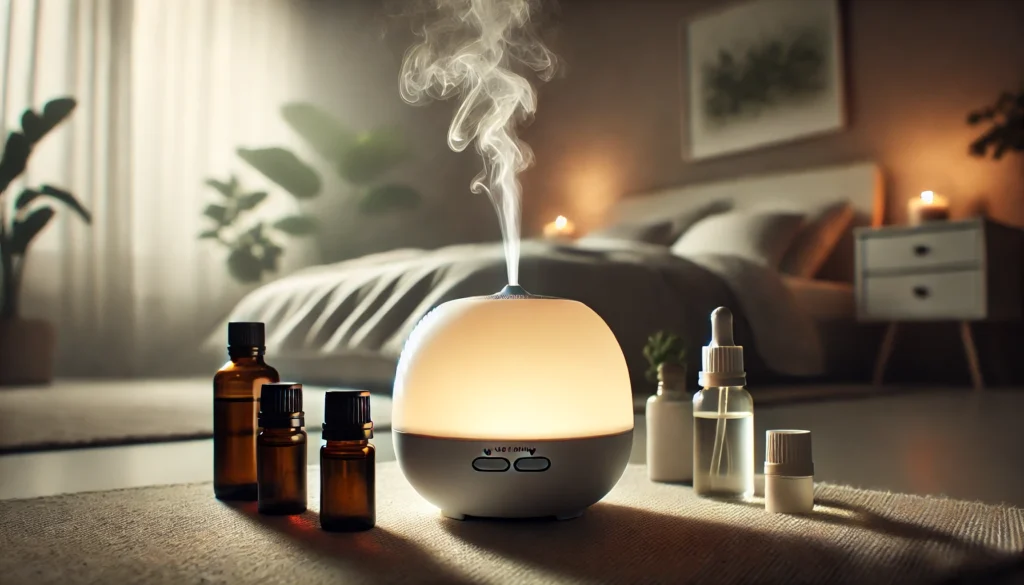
663, 347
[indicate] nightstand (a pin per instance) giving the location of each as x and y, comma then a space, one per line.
957, 271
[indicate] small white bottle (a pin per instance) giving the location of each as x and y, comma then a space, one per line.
670, 427
788, 472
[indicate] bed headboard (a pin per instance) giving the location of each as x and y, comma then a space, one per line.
807, 191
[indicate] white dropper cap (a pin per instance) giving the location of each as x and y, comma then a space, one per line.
722, 358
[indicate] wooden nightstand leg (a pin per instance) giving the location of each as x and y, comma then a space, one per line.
972, 355
884, 352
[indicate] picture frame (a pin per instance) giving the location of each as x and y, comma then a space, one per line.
760, 73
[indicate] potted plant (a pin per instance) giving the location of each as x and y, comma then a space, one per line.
362, 160
666, 359
1005, 132
27, 346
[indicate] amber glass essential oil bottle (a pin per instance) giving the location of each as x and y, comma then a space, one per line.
281, 450
236, 396
347, 480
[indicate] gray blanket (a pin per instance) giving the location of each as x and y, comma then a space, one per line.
368, 306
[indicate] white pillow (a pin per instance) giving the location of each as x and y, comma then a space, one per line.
757, 235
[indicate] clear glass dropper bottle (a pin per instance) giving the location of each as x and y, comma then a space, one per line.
723, 418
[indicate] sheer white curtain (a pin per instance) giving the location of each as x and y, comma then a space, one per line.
166, 90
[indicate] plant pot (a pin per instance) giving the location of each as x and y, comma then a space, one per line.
672, 376
27, 348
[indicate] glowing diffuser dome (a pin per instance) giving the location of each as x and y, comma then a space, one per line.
512, 405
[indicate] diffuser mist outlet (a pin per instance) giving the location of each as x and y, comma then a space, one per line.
512, 406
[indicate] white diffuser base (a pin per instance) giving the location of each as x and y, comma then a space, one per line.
512, 479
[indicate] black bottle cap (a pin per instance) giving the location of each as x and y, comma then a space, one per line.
246, 334
347, 416
281, 405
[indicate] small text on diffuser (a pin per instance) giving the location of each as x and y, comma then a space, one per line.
530, 450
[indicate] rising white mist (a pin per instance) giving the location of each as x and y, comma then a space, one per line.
467, 50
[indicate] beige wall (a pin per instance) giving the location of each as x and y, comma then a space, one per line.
915, 68
354, 55
611, 123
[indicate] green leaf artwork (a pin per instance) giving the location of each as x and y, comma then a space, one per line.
739, 83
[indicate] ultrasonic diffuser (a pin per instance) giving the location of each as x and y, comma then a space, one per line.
512, 406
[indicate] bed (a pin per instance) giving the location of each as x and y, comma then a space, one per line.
664, 261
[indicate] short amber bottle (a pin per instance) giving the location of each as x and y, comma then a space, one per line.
347, 474
236, 396
281, 450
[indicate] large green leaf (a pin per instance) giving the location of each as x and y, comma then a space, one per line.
35, 126
55, 112
251, 200
284, 168
296, 225
244, 266
217, 213
254, 236
372, 155
32, 126
322, 131
228, 190
14, 159
271, 254
27, 228
29, 195
389, 197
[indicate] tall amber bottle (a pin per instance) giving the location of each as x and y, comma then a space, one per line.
236, 396
281, 450
347, 459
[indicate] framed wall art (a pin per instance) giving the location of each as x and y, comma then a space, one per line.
761, 73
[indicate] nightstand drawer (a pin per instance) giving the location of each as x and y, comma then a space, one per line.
941, 295
922, 250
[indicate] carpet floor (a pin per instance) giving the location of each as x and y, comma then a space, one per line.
640, 533
76, 414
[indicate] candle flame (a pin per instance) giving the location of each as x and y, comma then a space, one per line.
928, 196
561, 221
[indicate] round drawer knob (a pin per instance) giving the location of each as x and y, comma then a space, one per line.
921, 292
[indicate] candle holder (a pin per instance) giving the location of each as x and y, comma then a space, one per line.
929, 207
560, 230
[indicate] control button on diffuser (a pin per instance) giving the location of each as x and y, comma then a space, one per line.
490, 464
532, 464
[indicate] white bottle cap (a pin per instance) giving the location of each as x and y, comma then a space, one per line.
722, 358
788, 472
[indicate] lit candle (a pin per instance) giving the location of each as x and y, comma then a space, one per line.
928, 207
560, 229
